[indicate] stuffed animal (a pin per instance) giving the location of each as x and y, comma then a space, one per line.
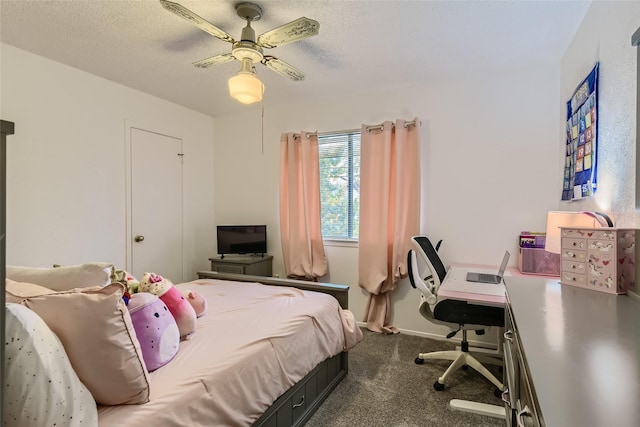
156, 329
197, 301
182, 311
120, 276
132, 283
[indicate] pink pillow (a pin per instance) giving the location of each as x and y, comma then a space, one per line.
156, 329
95, 329
182, 311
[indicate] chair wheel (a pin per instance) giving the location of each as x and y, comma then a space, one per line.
497, 392
419, 361
438, 386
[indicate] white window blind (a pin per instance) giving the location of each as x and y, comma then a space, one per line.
339, 154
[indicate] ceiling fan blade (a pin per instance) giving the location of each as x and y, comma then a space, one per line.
293, 31
283, 68
199, 22
214, 60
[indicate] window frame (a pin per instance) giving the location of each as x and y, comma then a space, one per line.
336, 240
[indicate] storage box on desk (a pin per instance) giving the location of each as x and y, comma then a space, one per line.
532, 239
538, 261
602, 259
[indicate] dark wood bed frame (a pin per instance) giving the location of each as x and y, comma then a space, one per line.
297, 405
6, 128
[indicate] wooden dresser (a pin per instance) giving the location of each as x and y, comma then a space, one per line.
243, 264
601, 259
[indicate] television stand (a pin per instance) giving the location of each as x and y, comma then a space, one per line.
256, 265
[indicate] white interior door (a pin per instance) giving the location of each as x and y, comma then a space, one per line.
156, 205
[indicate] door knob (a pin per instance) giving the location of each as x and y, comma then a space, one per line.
138, 238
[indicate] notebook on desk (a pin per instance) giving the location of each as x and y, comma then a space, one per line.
490, 278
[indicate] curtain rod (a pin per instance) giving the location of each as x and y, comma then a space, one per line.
335, 132
297, 135
380, 127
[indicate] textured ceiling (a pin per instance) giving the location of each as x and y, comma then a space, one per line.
362, 45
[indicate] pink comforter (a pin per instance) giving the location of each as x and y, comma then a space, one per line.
253, 344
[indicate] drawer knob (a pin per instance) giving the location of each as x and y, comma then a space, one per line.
297, 405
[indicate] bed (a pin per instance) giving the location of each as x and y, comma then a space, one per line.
264, 354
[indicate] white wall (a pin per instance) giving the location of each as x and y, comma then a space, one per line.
493, 148
492, 156
488, 158
66, 164
605, 36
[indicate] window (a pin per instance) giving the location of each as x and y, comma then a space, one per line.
339, 154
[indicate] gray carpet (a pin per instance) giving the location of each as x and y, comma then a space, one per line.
385, 387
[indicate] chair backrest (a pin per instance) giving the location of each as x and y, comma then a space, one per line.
426, 270
430, 254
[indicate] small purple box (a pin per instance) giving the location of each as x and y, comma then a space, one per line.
532, 240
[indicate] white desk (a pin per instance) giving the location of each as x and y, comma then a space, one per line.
455, 286
582, 351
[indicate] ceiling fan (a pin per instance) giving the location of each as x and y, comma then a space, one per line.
248, 49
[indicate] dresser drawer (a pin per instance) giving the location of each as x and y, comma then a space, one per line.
573, 233
227, 268
573, 255
571, 278
602, 246
602, 235
573, 243
576, 267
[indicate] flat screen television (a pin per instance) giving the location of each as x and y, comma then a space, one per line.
242, 239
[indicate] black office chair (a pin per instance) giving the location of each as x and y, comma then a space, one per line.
426, 273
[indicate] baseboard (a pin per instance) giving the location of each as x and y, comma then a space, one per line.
439, 337
634, 296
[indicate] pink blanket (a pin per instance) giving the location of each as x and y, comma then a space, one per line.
253, 344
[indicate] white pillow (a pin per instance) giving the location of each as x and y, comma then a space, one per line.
41, 387
63, 278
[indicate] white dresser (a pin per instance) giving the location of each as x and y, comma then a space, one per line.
601, 259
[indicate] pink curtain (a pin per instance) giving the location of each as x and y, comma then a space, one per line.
300, 230
389, 213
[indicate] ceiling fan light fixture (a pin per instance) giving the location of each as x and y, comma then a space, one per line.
246, 87
247, 50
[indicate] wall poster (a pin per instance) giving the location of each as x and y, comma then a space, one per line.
581, 145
